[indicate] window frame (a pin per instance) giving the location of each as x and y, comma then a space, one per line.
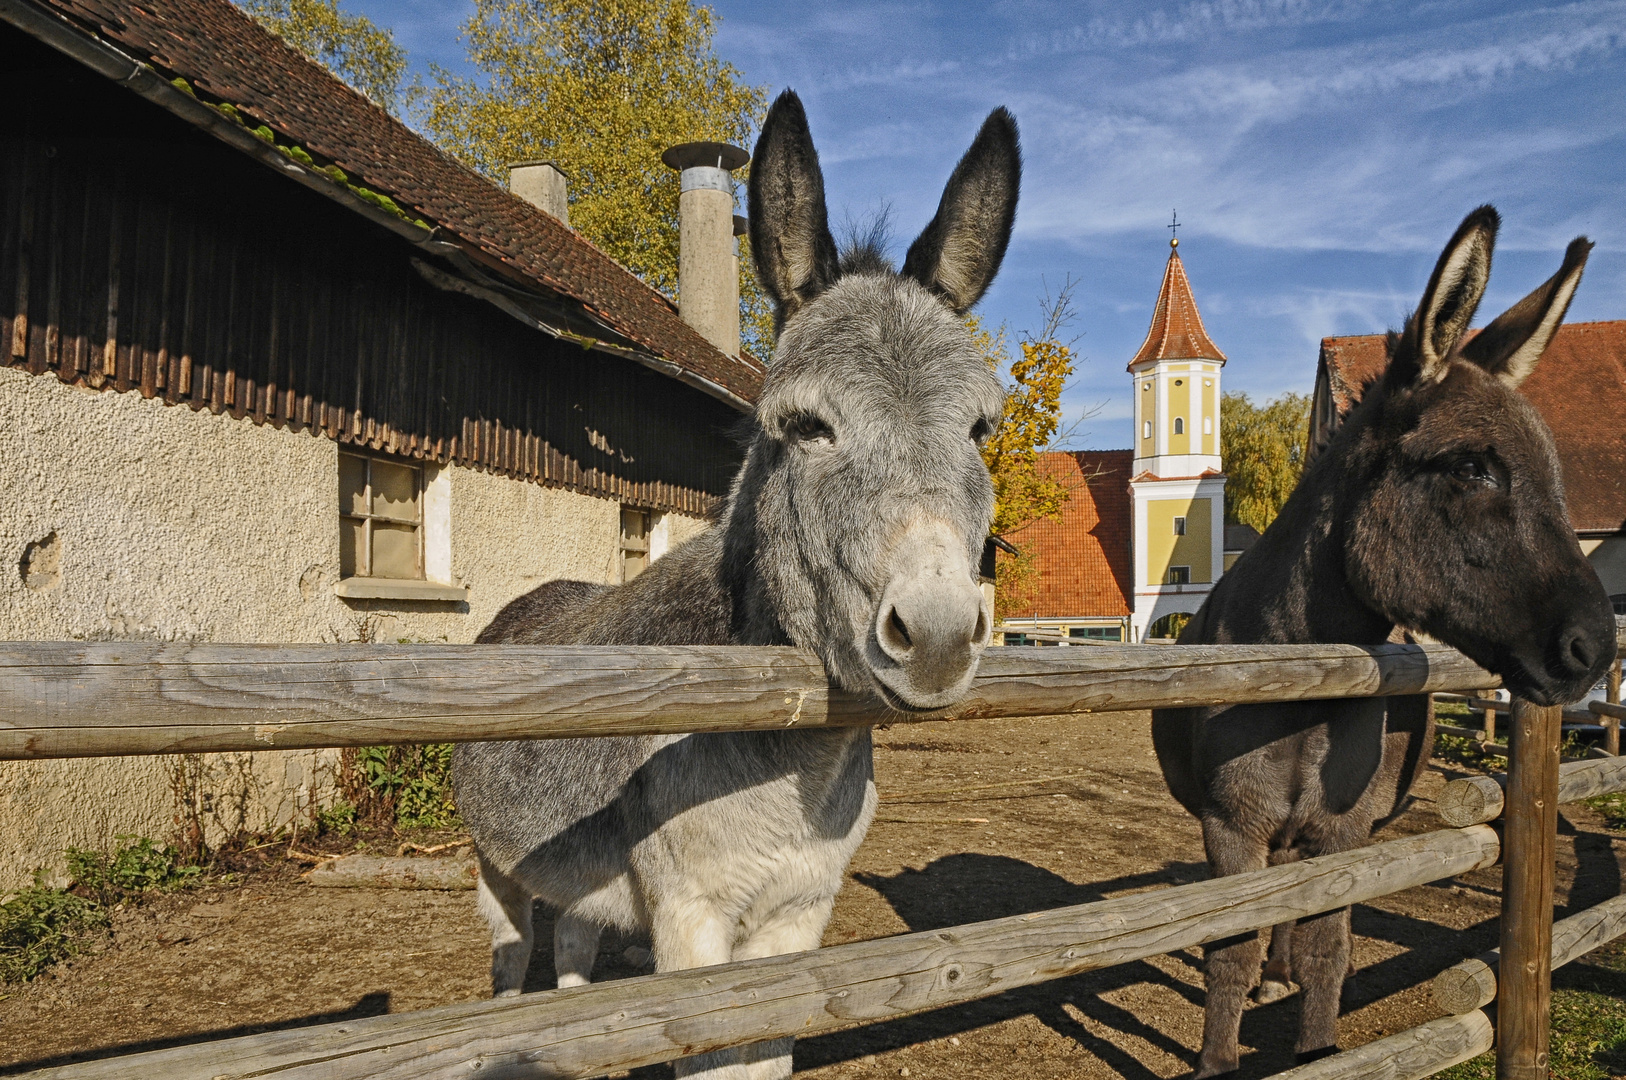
1174, 578
1179, 425
632, 545
1179, 525
363, 569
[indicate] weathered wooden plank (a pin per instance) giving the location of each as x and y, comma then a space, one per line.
1408, 1055
1528, 872
1472, 984
590, 1030
74, 699
1475, 799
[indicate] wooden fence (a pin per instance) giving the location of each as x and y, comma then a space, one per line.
87, 699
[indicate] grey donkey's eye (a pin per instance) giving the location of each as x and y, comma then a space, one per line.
981, 430
805, 427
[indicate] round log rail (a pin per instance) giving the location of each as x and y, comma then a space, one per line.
79, 699
1472, 800
1408, 1055
1471, 984
603, 1027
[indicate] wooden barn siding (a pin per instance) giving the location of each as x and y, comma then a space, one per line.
123, 268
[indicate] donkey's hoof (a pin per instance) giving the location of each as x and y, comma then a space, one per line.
1304, 1057
1270, 990
515, 992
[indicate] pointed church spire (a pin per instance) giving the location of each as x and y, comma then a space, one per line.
1177, 329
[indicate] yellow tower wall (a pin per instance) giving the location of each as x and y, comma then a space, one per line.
1164, 549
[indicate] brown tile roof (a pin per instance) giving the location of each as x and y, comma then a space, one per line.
1580, 390
1177, 330
223, 52
1083, 559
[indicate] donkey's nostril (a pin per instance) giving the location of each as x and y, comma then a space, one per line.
900, 632
1579, 650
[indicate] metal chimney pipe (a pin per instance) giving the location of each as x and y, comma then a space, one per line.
708, 256
543, 185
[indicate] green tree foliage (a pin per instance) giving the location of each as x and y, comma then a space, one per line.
351, 46
602, 87
1264, 447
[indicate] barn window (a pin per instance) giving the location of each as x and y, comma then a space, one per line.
1179, 526
1179, 425
1619, 601
380, 518
634, 542
1179, 575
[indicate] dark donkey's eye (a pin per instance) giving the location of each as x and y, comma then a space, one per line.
1471, 470
981, 430
805, 427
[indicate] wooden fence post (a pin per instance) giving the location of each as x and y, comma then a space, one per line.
1529, 844
1611, 730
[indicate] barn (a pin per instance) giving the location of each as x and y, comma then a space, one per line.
278, 370
1579, 388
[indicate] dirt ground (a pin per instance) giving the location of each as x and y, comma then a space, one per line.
977, 820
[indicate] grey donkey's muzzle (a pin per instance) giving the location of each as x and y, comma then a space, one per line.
932, 622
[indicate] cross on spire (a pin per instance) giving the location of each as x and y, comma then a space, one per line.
1174, 226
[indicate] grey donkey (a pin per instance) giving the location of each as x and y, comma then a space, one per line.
852, 529
1437, 506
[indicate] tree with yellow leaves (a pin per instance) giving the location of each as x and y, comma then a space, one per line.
1023, 492
602, 87
351, 46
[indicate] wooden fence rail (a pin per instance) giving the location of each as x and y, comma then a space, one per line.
79, 699
590, 1030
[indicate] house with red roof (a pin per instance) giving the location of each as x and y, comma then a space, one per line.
276, 369
1579, 388
1142, 539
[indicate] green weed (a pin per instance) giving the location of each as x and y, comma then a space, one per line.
410, 786
339, 818
1612, 807
40, 926
136, 865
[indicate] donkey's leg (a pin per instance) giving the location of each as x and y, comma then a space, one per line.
1276, 983
1232, 965
1321, 960
794, 929
507, 908
575, 947
1278, 978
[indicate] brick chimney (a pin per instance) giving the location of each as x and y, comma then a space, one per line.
543, 185
708, 257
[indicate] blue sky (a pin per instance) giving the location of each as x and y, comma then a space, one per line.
1319, 154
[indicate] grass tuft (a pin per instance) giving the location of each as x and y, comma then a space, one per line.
40, 926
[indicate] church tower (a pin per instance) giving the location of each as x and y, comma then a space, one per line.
1178, 482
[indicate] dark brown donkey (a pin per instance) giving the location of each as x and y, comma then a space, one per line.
1437, 506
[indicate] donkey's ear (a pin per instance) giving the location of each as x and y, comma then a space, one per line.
959, 252
790, 228
1424, 351
1509, 347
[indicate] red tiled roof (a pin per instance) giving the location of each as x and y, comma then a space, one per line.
223, 52
1177, 330
1083, 559
1580, 390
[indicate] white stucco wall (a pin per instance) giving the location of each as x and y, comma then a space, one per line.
156, 522
1608, 557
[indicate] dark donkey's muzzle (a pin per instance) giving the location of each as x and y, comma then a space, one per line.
1561, 664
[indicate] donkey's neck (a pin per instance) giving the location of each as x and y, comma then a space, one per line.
1292, 588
